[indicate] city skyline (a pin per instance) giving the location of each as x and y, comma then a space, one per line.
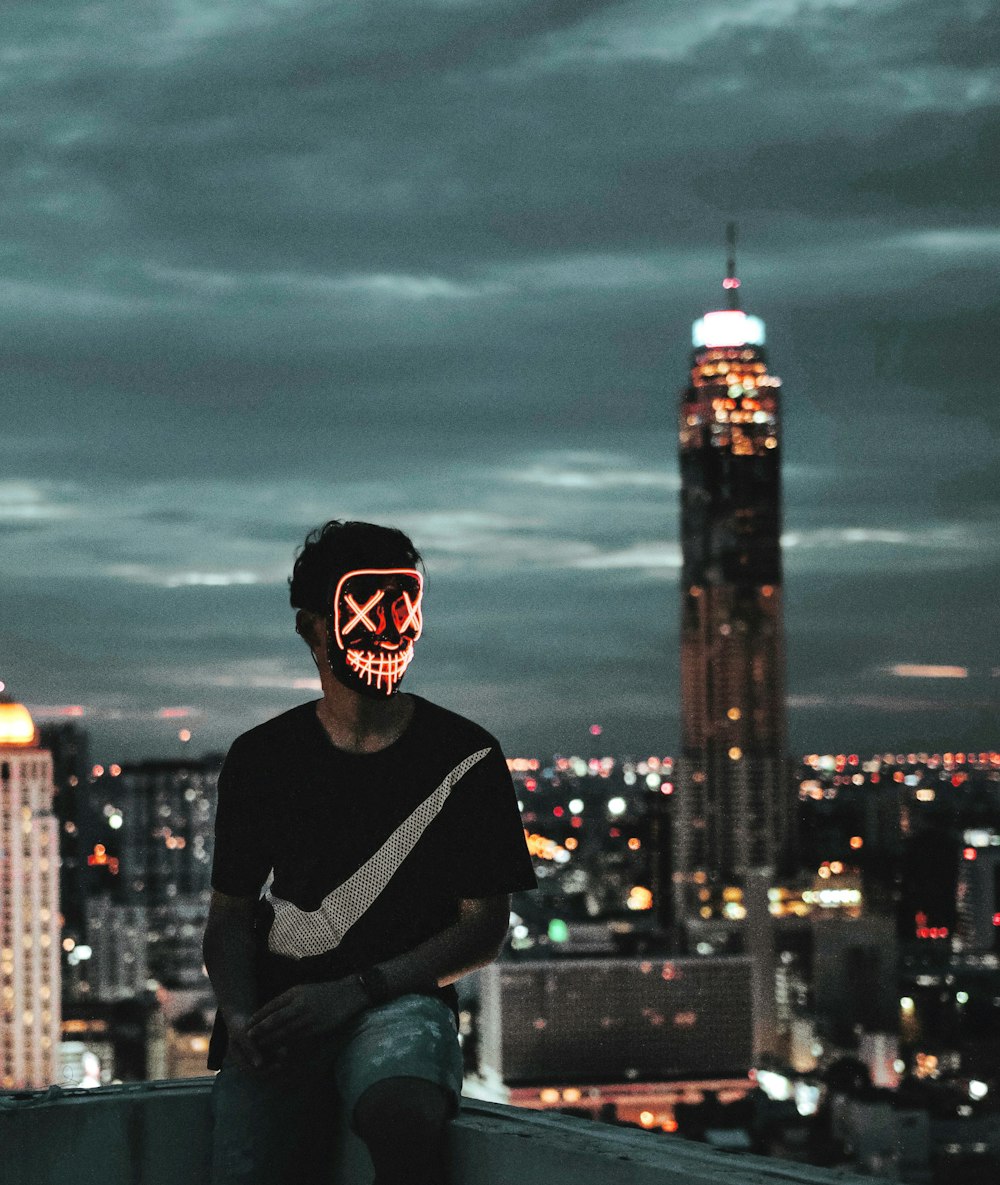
266, 265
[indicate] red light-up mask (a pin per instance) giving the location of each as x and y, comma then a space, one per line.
375, 621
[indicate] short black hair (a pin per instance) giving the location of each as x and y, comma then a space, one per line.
338, 547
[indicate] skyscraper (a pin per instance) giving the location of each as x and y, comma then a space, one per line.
148, 831
68, 743
733, 807
29, 906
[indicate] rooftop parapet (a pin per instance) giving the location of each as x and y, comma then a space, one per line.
159, 1133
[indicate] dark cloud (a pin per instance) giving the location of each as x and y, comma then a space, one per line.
935, 165
436, 264
967, 38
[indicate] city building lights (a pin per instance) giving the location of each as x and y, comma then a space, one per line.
544, 848
558, 931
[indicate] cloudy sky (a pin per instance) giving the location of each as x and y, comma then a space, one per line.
268, 262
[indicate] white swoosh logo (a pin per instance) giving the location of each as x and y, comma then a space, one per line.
300, 933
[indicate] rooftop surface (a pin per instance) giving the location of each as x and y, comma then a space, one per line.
159, 1133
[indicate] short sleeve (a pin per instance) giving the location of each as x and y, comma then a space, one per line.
489, 853
241, 862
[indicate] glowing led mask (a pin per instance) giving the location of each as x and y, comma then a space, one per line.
374, 624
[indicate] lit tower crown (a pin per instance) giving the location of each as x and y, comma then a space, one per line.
733, 809
16, 726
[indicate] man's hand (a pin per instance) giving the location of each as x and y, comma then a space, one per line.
303, 1013
241, 1049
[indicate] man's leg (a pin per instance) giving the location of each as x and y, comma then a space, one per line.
399, 1073
402, 1122
262, 1129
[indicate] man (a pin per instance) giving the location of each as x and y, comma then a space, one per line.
366, 848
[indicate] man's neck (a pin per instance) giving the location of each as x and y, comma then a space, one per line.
359, 724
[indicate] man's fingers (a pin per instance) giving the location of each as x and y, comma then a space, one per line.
276, 1067
267, 1068
277, 1029
272, 1006
241, 1059
273, 1014
271, 1024
268, 1039
246, 1055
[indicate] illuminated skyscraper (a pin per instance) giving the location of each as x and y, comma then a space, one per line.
148, 831
29, 906
733, 806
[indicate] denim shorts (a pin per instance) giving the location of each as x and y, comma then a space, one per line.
268, 1130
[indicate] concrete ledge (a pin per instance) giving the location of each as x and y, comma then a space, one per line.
493, 1144
159, 1133
142, 1133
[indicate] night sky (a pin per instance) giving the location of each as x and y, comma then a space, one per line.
268, 262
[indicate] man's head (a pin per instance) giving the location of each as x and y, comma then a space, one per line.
358, 590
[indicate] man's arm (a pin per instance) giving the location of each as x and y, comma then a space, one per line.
471, 942
228, 949
311, 1009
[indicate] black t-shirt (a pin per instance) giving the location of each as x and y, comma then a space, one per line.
357, 857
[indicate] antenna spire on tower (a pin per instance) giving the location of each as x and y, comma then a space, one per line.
731, 283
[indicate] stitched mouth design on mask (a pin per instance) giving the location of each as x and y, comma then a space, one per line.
382, 668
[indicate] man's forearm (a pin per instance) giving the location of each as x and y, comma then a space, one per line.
229, 961
469, 943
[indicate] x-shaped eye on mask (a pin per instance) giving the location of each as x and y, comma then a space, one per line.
361, 613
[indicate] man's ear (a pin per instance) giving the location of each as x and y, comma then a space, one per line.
306, 626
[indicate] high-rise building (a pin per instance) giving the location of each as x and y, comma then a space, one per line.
148, 845
68, 743
29, 906
977, 896
733, 803
589, 1021
118, 936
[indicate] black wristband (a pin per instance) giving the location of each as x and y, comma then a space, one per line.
373, 980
